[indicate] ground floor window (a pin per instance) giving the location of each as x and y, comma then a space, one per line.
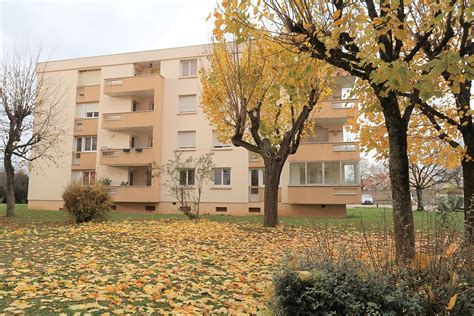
324, 172
88, 177
186, 177
222, 177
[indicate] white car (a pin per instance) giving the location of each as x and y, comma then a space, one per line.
367, 199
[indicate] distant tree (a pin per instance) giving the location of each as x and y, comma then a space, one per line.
21, 187
185, 180
375, 179
30, 126
2, 194
261, 97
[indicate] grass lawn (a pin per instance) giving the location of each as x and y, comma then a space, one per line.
151, 263
358, 218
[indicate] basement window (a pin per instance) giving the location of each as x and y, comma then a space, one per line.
254, 209
150, 208
221, 209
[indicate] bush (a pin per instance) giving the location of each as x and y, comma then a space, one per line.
346, 287
341, 289
87, 203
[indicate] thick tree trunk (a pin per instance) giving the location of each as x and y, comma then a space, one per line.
270, 204
399, 180
420, 206
468, 178
10, 194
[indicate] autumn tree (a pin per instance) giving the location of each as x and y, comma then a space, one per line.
30, 126
260, 96
380, 42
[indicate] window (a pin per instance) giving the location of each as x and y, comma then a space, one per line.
189, 68
187, 139
315, 172
215, 141
329, 172
150, 208
254, 209
222, 176
332, 173
186, 177
221, 209
319, 135
87, 110
297, 173
89, 77
88, 143
187, 103
92, 114
350, 172
88, 177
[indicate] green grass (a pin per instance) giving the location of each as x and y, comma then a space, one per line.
358, 218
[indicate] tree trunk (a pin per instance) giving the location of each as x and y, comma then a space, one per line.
419, 199
270, 205
10, 191
399, 180
468, 178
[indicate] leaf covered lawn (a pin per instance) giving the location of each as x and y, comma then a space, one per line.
141, 266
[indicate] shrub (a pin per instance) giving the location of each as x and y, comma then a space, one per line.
87, 203
347, 287
343, 289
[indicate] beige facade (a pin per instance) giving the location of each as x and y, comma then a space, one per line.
128, 111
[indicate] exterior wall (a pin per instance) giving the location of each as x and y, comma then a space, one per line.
121, 85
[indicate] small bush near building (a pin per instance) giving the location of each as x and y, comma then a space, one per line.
87, 203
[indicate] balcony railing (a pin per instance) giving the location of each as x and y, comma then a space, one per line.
83, 160
88, 94
85, 127
350, 194
132, 85
308, 151
127, 156
134, 193
127, 120
340, 108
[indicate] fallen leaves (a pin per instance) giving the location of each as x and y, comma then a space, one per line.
142, 267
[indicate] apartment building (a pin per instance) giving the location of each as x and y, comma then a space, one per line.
124, 112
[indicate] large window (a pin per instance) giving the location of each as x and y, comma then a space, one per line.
328, 172
186, 177
188, 68
88, 143
187, 139
222, 177
187, 103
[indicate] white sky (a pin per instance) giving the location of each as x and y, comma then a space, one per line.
79, 28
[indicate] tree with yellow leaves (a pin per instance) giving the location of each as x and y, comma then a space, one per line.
387, 45
260, 96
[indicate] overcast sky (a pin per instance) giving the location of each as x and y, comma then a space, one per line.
78, 28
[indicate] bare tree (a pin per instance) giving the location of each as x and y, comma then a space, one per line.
185, 180
30, 126
425, 176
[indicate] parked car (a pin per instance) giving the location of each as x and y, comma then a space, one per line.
367, 199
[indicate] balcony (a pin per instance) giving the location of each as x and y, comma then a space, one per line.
83, 160
135, 85
257, 194
127, 120
338, 109
127, 157
324, 194
135, 193
327, 151
86, 94
85, 127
